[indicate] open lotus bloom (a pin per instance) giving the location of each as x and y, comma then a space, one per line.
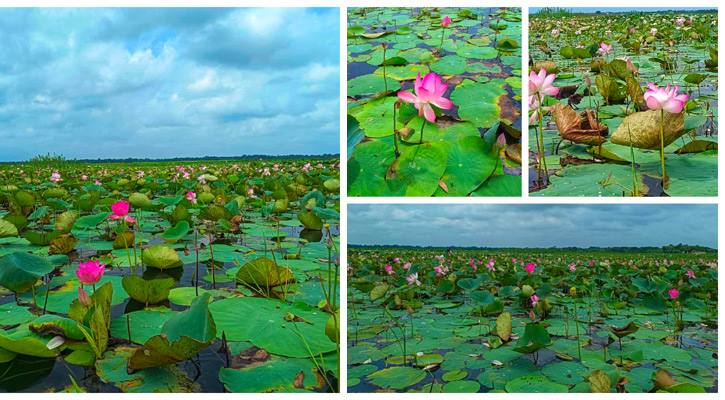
578, 128
605, 49
665, 99
91, 272
542, 83
428, 90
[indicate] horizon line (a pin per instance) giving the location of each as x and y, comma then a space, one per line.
190, 158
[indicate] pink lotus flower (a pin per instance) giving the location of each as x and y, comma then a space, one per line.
91, 272
653, 31
534, 300
439, 271
406, 265
534, 105
690, 274
530, 268
632, 30
446, 21
413, 279
428, 91
665, 99
542, 83
605, 49
674, 294
501, 141
191, 196
389, 269
83, 297
120, 211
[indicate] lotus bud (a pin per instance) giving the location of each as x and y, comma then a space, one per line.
572, 291
83, 297
410, 310
532, 315
446, 22
501, 141
588, 81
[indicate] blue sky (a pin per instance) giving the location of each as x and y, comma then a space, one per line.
533, 225
117, 83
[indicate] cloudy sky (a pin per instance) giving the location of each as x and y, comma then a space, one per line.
117, 83
532, 225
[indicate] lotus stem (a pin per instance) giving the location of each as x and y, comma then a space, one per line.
213, 274
47, 292
542, 159
662, 148
385, 78
421, 131
634, 171
128, 254
576, 324
395, 134
37, 310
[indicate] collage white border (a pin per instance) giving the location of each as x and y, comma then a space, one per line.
343, 4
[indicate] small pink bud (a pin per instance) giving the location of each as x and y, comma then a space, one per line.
446, 22
83, 297
501, 141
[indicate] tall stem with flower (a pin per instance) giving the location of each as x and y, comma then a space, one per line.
541, 85
429, 92
446, 21
664, 99
120, 213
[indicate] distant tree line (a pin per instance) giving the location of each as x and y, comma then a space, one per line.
59, 159
679, 11
679, 248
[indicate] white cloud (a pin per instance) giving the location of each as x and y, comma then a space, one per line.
185, 76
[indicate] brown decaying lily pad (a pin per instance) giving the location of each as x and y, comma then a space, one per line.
579, 128
645, 129
508, 111
249, 358
513, 151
